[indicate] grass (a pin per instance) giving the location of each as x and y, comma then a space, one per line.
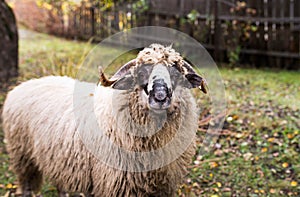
257, 152
280, 87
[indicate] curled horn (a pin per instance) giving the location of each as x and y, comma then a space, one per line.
119, 74
189, 71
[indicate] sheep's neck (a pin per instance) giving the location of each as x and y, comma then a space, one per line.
144, 130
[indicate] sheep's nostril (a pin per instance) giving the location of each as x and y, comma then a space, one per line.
160, 95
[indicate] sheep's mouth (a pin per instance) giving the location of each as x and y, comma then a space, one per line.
159, 98
159, 105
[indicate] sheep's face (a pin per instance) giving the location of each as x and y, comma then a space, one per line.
154, 75
156, 84
157, 87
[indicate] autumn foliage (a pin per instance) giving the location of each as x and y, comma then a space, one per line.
36, 17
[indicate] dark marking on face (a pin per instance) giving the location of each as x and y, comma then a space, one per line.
160, 95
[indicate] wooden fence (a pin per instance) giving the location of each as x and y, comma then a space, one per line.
266, 31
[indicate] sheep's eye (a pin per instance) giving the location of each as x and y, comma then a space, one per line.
176, 76
142, 78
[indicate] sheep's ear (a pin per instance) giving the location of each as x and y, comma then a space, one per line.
195, 81
125, 83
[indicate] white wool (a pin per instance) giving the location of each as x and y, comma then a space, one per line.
157, 53
42, 117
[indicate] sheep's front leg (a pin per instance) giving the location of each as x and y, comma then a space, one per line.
26, 190
62, 193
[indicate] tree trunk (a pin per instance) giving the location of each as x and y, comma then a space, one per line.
8, 43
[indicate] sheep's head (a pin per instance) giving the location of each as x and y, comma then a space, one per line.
156, 73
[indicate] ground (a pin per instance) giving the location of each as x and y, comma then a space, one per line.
256, 153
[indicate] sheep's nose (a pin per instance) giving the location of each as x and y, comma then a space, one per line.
160, 93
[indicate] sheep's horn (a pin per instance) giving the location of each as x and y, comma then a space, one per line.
119, 74
190, 70
103, 79
123, 70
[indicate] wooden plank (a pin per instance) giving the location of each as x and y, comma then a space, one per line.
241, 18
276, 22
259, 19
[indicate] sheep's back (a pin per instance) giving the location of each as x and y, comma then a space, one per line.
39, 123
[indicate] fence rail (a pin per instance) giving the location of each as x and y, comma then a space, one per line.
274, 40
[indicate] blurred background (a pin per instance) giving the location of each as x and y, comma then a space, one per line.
256, 44
257, 32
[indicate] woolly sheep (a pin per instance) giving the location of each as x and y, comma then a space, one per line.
43, 137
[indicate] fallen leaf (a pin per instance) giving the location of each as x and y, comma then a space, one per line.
195, 185
263, 150
294, 183
215, 189
239, 135
290, 136
213, 164
227, 189
285, 165
276, 154
9, 186
247, 156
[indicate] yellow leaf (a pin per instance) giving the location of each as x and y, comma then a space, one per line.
290, 136
285, 165
195, 185
211, 175
179, 192
216, 189
47, 6
215, 195
219, 184
235, 117
39, 3
263, 150
256, 191
213, 164
271, 139
262, 191
9, 186
294, 183
296, 132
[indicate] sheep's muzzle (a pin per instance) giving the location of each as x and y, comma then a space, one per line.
160, 96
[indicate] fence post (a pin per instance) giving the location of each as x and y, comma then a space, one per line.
217, 31
93, 20
115, 22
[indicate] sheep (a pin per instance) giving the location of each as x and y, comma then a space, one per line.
145, 106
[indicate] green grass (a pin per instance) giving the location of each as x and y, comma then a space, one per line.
42, 55
256, 154
280, 87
